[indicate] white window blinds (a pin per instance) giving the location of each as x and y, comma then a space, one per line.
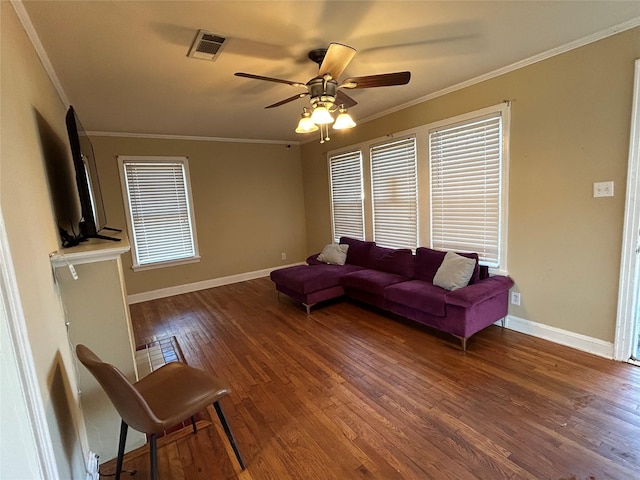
466, 169
346, 195
394, 190
160, 216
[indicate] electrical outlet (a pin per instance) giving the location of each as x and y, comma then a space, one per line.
602, 189
284, 256
93, 466
515, 298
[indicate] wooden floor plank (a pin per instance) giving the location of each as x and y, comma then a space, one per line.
352, 393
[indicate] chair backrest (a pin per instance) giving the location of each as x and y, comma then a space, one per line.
131, 406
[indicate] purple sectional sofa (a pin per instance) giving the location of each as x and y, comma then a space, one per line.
400, 282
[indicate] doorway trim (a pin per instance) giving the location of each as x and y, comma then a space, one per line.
628, 286
13, 314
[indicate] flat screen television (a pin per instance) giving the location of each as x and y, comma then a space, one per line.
94, 218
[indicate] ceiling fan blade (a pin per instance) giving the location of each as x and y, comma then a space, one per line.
382, 80
269, 79
287, 100
344, 99
336, 59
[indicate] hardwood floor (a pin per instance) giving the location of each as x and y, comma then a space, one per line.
350, 393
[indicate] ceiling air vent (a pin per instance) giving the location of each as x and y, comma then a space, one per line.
206, 45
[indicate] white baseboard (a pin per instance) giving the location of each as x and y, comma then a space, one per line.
93, 466
194, 287
563, 337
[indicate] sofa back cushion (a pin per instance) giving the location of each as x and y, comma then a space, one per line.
428, 261
398, 261
358, 252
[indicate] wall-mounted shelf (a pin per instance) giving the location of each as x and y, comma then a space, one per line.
93, 250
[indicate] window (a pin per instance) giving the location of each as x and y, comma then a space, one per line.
467, 162
157, 195
346, 195
394, 191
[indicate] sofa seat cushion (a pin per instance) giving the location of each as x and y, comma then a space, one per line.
419, 295
311, 278
371, 281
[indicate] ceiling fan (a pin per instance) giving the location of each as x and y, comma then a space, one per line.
326, 95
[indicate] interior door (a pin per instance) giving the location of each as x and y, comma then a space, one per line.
626, 346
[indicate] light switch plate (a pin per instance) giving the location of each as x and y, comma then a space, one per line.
603, 189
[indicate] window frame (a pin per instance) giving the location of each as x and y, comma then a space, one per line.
374, 192
503, 111
424, 175
134, 241
331, 157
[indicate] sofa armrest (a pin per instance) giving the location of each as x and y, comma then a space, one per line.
477, 292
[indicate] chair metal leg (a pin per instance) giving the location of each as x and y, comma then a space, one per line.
193, 424
123, 439
153, 455
227, 430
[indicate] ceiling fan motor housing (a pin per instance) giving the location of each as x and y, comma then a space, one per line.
322, 90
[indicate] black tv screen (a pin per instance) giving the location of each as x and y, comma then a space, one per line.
94, 217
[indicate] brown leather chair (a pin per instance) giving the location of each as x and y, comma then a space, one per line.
161, 400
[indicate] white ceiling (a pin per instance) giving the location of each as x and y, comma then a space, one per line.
124, 65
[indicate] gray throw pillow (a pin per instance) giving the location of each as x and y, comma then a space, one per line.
454, 272
334, 254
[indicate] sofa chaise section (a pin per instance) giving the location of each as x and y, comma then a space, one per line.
317, 281
311, 284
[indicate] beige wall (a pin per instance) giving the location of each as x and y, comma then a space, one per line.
248, 202
570, 123
33, 135
570, 127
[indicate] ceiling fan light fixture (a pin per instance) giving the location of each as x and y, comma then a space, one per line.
306, 125
321, 115
328, 104
344, 120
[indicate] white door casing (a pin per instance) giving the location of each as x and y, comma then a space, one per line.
626, 333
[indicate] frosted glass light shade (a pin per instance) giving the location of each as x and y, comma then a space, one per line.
321, 116
306, 125
344, 121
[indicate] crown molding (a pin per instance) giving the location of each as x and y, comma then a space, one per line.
44, 58
602, 34
190, 137
24, 18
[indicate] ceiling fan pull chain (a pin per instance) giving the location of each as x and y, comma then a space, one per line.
324, 133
